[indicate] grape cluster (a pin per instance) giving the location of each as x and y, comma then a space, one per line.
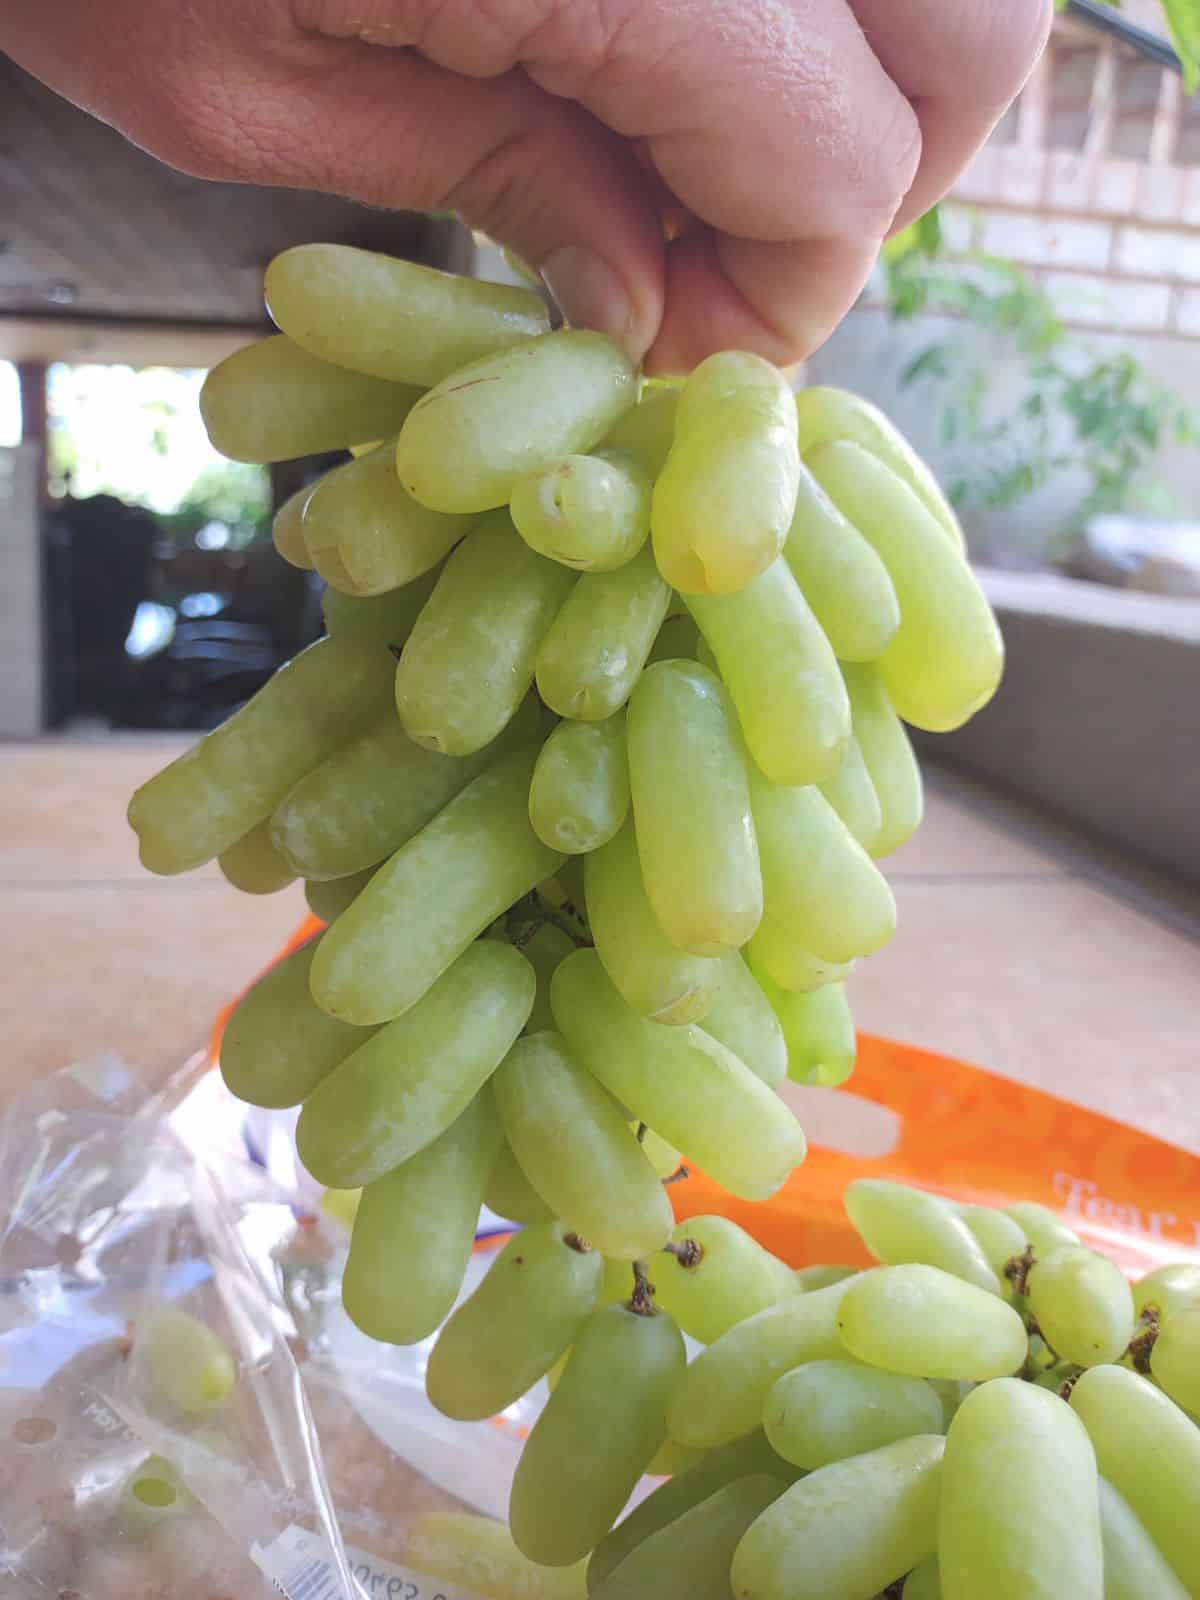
588, 782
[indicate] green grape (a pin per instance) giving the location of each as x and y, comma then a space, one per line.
1134, 1567
183, 1359
272, 401
647, 430
328, 897
691, 807
414, 1229
924, 1582
825, 414
951, 1392
685, 1085
1169, 1289
380, 537
818, 1033
678, 640
574, 1145
726, 1387
805, 972
376, 792
618, 1283
841, 576
1044, 1229
278, 1045
286, 532
922, 1321
384, 618
480, 1556
437, 893
1020, 1512
579, 796
742, 1019
215, 792
510, 1193
714, 1275
394, 319
536, 1296
589, 512
465, 444
382, 1104
591, 1444
725, 496
899, 1224
152, 1497
544, 950
852, 795
1149, 1450
828, 1410
889, 757
822, 892
822, 1276
946, 657
692, 1556
253, 865
653, 976
1175, 1358
748, 1457
998, 1235
663, 1157
848, 1530
782, 675
597, 645
670, 1458
1083, 1305
469, 659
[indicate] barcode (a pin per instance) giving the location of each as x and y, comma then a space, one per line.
313, 1582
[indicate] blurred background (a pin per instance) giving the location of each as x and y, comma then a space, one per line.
1037, 337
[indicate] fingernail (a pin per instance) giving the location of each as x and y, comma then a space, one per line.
590, 294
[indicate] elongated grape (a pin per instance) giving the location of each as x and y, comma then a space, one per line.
375, 792
414, 1229
544, 950
724, 499
924, 1322
647, 430
742, 1019
1175, 1358
186, 1362
152, 1497
579, 796
272, 401
822, 893
480, 1556
382, 1104
684, 1084
714, 1275
465, 443
1083, 1305
469, 660
822, 1276
818, 1033
691, 807
899, 1224
589, 512
531, 1304
805, 972
693, 1555
394, 319
571, 1140
888, 756
654, 977
1020, 1512
1044, 1228
381, 537
852, 795
253, 865
287, 534
828, 1410
1134, 1566
278, 1045
679, 639
946, 657
663, 1157
841, 576
423, 907
726, 1387
510, 1193
924, 1582
597, 645
782, 674
825, 414
328, 898
998, 1235
1149, 1450
847, 1531
613, 1394
385, 618
1168, 1289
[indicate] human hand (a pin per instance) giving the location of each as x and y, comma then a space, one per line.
688, 175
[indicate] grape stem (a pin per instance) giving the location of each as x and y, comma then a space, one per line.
1018, 1268
641, 1302
1144, 1340
681, 1172
688, 1252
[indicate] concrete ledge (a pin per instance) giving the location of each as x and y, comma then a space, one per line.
1098, 717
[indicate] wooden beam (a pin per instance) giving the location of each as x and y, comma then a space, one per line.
137, 344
